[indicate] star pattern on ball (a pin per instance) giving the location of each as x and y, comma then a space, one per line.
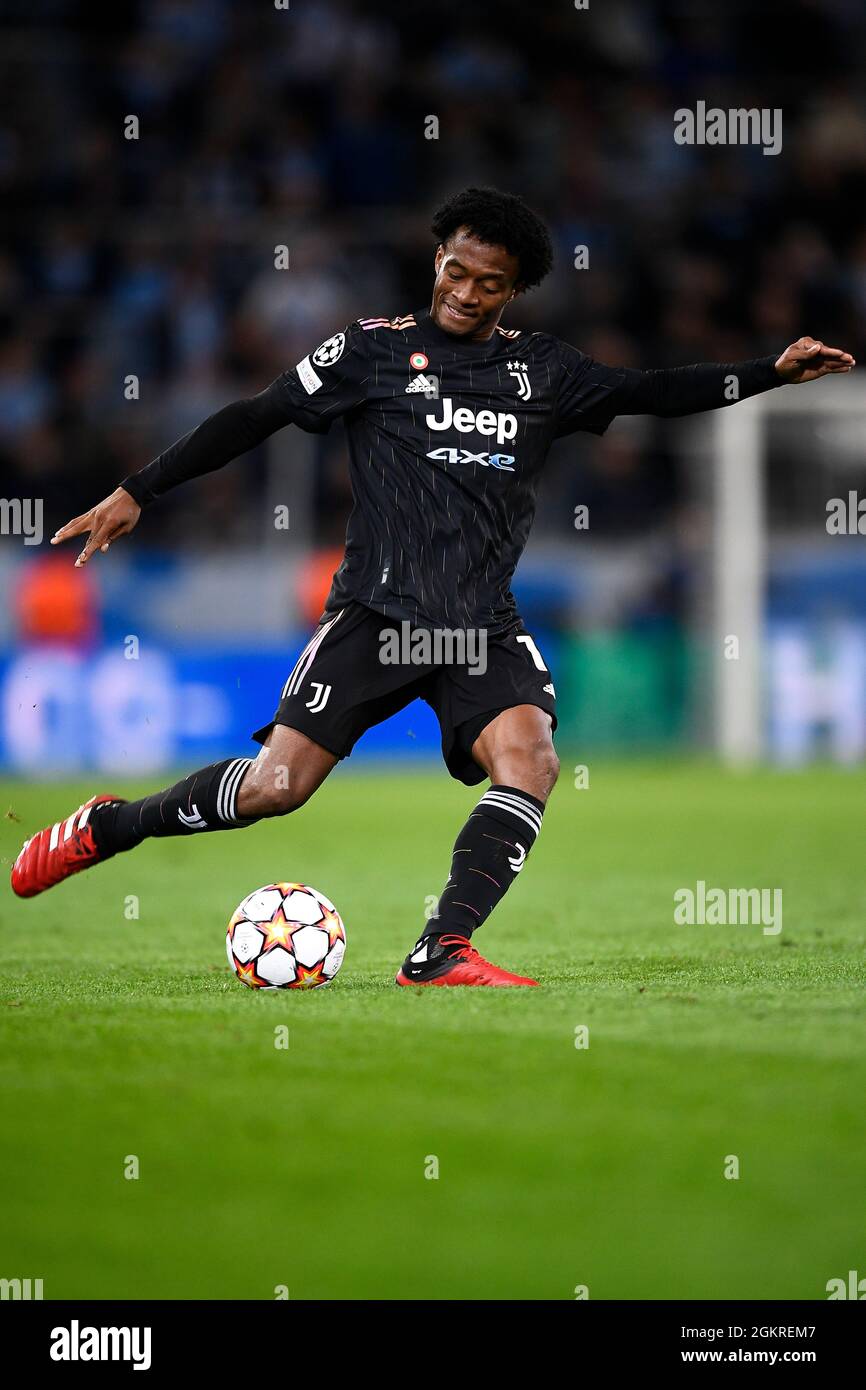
308, 978
277, 932
247, 974
333, 926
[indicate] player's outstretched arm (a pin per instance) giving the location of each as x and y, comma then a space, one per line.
220, 438
676, 391
319, 390
592, 394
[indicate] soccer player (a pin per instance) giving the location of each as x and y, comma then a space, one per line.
449, 417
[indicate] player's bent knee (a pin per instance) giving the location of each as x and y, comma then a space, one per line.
546, 770
535, 770
551, 767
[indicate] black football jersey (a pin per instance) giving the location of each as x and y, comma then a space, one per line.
447, 439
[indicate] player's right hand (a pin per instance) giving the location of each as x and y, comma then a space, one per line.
106, 522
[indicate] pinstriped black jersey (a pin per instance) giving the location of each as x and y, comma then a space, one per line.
447, 440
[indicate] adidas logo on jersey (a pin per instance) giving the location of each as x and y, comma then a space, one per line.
426, 385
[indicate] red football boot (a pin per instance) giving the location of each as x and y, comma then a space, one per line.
453, 960
57, 852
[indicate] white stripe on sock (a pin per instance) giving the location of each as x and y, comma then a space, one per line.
518, 803
489, 800
521, 802
232, 790
520, 797
223, 787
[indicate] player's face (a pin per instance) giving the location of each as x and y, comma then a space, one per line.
473, 284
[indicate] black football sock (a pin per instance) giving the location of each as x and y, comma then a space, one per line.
206, 800
488, 855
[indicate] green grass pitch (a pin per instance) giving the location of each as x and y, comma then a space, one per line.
558, 1167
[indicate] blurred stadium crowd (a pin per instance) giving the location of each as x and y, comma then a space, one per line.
306, 127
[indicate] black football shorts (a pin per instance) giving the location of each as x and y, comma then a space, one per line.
360, 667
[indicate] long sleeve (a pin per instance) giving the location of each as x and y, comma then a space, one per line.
223, 436
592, 394
322, 387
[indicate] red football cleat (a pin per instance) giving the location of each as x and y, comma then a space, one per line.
453, 960
57, 852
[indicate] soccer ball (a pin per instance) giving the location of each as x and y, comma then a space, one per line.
286, 936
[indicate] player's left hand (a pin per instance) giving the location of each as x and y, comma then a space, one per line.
807, 359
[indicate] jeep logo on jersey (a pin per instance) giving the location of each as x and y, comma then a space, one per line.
464, 420
330, 351
445, 455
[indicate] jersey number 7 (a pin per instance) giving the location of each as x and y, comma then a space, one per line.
533, 651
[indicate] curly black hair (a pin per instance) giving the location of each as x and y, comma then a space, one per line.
499, 219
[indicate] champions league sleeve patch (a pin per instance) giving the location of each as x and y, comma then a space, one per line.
330, 351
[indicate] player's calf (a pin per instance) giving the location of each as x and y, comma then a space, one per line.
490, 851
281, 778
225, 796
516, 750
286, 773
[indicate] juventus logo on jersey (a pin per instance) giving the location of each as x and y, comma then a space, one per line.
520, 372
196, 821
320, 698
